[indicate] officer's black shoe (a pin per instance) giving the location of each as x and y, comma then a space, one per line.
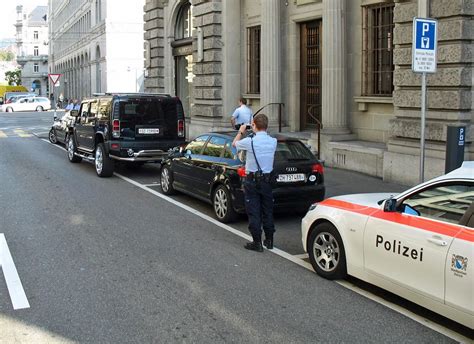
254, 246
268, 243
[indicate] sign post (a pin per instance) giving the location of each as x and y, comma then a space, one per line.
424, 60
55, 80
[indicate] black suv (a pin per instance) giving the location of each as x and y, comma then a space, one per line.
135, 128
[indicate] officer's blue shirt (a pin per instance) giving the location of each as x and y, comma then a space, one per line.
69, 107
264, 146
242, 115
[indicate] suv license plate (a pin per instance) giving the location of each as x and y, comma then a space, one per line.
289, 178
148, 131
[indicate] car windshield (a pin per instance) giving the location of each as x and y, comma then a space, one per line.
291, 151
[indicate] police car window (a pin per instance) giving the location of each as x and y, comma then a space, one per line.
214, 147
447, 202
196, 146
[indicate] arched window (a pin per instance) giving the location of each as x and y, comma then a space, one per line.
184, 24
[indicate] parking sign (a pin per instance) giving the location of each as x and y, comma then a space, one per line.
425, 41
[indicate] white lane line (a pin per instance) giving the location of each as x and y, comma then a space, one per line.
14, 286
154, 184
423, 321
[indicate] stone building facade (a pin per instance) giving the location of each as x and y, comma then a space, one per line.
32, 51
343, 63
97, 46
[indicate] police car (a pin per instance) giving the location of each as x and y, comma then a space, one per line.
418, 244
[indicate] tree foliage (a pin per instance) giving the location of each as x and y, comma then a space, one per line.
13, 77
6, 55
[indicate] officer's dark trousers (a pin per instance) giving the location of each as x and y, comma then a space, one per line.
259, 207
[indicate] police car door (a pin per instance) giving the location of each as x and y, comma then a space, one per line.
409, 247
460, 264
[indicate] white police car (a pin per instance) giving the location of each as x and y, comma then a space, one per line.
418, 244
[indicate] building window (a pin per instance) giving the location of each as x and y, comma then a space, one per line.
36, 68
377, 50
184, 22
35, 35
35, 51
253, 60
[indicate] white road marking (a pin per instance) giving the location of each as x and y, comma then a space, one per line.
154, 184
298, 259
14, 286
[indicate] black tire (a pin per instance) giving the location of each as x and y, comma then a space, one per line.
52, 136
39, 109
71, 149
9, 109
222, 204
167, 181
104, 165
326, 252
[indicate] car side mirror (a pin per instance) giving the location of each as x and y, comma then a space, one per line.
74, 113
390, 205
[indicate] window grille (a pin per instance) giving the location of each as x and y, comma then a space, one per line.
377, 50
253, 60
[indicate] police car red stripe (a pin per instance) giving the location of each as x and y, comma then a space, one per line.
422, 223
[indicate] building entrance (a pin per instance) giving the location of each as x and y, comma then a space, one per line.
311, 74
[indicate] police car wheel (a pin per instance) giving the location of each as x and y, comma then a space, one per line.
326, 252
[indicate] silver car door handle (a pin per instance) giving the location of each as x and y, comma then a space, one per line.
437, 241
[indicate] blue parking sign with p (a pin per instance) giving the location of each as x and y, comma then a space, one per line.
425, 38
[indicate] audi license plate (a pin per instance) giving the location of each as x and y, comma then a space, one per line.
289, 178
148, 131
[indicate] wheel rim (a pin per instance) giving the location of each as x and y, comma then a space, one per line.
9, 109
39, 109
220, 203
52, 136
99, 160
70, 149
326, 251
165, 179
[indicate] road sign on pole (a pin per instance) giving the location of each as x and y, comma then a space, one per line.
425, 41
54, 78
424, 60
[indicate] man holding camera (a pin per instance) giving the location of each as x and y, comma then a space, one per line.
260, 150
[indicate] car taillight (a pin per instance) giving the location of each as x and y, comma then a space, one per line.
241, 171
116, 128
180, 128
318, 168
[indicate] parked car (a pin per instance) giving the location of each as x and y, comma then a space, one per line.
210, 169
135, 128
28, 104
418, 244
61, 128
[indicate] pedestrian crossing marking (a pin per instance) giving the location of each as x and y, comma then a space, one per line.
21, 133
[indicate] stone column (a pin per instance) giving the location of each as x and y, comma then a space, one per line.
270, 86
334, 114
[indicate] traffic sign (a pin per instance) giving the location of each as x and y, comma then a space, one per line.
54, 78
425, 42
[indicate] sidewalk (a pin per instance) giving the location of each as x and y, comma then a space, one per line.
341, 182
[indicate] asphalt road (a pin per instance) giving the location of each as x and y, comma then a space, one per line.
102, 260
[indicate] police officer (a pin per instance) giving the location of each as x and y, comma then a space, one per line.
242, 115
257, 185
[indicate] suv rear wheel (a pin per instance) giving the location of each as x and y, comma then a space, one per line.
104, 166
71, 149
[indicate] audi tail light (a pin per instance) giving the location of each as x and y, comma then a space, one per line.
116, 128
180, 128
318, 168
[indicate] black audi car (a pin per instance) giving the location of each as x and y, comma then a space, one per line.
210, 169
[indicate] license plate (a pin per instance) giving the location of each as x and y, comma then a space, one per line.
289, 178
148, 131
